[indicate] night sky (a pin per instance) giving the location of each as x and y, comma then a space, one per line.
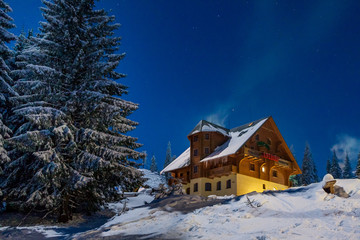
232, 62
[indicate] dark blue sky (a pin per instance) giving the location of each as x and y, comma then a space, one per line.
232, 62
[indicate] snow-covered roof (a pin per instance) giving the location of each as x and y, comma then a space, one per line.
182, 161
238, 137
205, 126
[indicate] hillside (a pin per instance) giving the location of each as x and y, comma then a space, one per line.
297, 213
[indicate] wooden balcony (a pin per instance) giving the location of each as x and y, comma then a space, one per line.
259, 155
221, 171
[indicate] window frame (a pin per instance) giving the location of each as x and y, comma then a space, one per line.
208, 150
252, 167
196, 187
218, 186
195, 170
207, 187
207, 136
228, 184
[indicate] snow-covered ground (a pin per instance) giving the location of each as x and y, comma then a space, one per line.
297, 213
154, 179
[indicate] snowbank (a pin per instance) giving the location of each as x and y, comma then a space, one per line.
297, 213
153, 179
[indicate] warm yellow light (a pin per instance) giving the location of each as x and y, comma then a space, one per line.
263, 169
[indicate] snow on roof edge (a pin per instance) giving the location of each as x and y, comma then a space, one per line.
182, 161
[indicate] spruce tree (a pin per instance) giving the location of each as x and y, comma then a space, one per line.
72, 147
6, 90
153, 166
357, 173
168, 158
335, 169
309, 172
328, 166
347, 168
19, 61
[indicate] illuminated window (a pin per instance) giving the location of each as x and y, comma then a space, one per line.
195, 138
218, 185
274, 173
228, 184
195, 187
263, 169
207, 186
195, 152
195, 169
252, 167
207, 136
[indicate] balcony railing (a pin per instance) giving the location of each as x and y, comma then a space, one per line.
220, 171
262, 155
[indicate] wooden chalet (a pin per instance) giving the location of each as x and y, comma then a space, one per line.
220, 161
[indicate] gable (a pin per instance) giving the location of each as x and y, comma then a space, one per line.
238, 137
269, 132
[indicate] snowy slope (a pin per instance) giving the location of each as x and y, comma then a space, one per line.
298, 213
153, 179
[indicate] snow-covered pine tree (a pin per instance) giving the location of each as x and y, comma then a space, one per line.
309, 172
17, 62
153, 166
335, 168
328, 166
6, 82
168, 159
72, 147
347, 168
357, 173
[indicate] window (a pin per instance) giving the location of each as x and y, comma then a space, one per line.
228, 184
195, 138
181, 174
257, 138
188, 190
195, 152
207, 136
268, 141
274, 173
264, 187
207, 186
207, 150
195, 187
218, 185
252, 167
195, 169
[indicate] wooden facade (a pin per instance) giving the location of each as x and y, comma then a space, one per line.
263, 162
